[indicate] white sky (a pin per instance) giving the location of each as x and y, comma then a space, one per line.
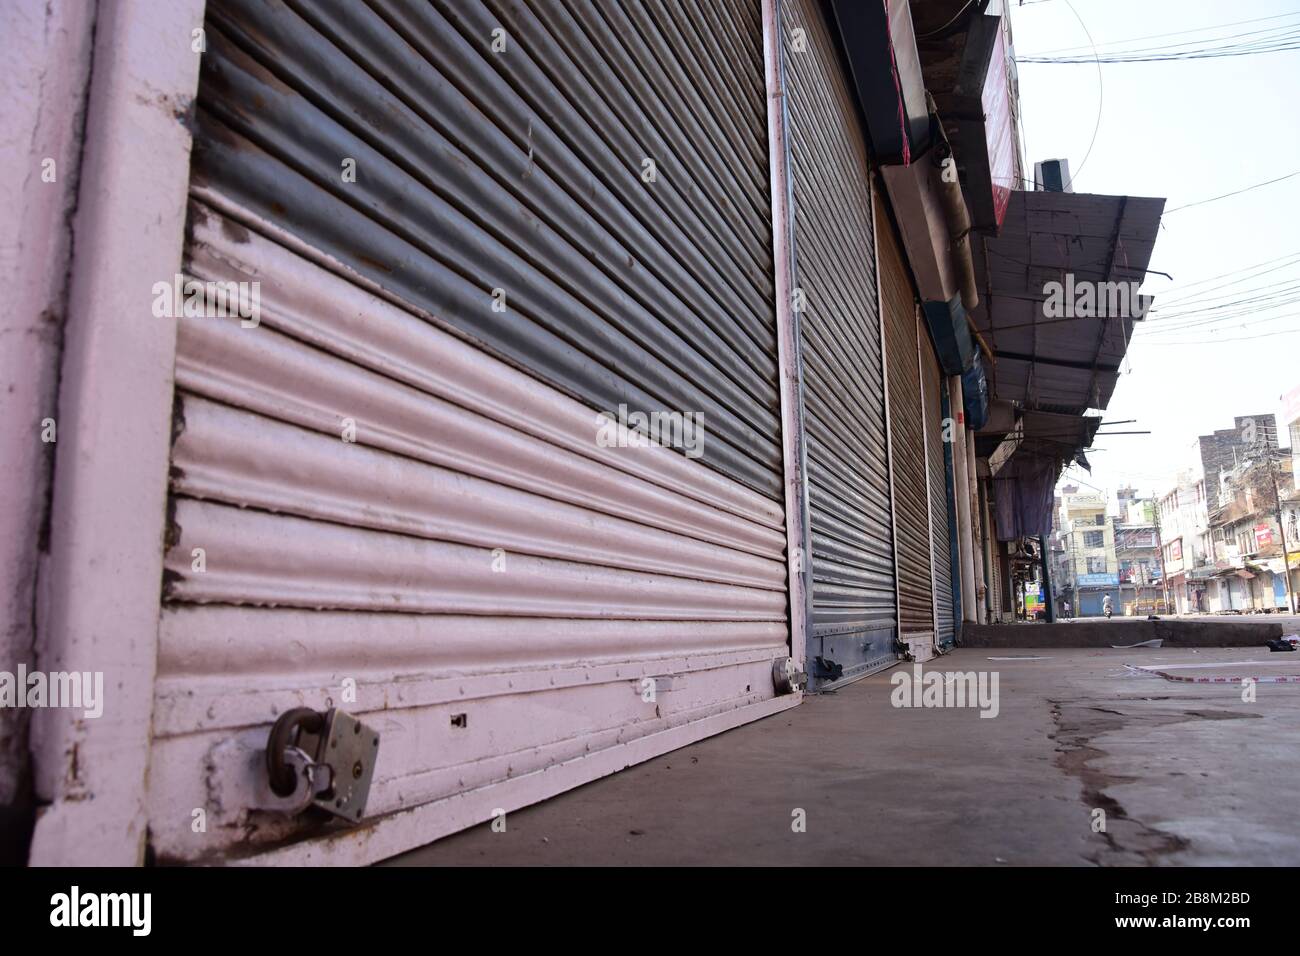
1187, 131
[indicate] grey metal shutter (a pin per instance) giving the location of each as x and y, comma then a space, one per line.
524, 170
906, 433
854, 624
385, 487
932, 386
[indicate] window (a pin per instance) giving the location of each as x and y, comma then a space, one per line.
1101, 519
1096, 565
1094, 539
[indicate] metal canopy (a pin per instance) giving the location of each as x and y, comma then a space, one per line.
1064, 365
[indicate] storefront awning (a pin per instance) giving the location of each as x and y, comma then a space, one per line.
1233, 573
1061, 364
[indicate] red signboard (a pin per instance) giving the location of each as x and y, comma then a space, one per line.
1263, 536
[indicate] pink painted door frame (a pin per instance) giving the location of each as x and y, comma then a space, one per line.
99, 601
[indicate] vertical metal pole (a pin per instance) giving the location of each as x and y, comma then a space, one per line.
977, 528
885, 359
961, 489
950, 509
1047, 579
793, 447
985, 569
927, 428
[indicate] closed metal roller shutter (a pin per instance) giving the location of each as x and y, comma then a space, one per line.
906, 434
506, 192
384, 485
854, 623
933, 386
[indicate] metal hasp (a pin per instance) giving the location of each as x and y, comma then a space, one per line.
325, 760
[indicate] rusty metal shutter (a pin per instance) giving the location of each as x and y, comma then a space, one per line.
932, 389
386, 486
906, 433
854, 624
518, 178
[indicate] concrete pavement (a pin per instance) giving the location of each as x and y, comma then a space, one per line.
1185, 774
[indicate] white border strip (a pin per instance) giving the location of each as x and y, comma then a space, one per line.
101, 587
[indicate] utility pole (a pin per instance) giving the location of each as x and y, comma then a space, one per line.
1281, 527
1160, 548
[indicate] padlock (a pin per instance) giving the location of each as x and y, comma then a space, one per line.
324, 760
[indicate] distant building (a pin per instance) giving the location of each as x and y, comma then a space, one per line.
1183, 514
1089, 568
1250, 565
1183, 521
1138, 554
1220, 451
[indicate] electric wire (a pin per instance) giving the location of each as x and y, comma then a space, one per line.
1159, 36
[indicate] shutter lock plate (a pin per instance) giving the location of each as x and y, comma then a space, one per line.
786, 677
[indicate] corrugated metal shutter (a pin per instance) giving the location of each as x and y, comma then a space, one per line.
906, 433
387, 482
994, 589
854, 622
525, 171
932, 388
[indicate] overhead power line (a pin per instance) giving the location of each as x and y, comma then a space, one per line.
1101, 95
1215, 325
1180, 303
1224, 340
1176, 33
1276, 40
1235, 192
1291, 259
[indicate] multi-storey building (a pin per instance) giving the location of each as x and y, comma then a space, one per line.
1183, 521
1091, 570
1222, 450
1138, 555
1250, 566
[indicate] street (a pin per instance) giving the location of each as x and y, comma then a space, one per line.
1183, 774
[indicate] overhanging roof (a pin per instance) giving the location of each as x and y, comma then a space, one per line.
1064, 365
1039, 435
